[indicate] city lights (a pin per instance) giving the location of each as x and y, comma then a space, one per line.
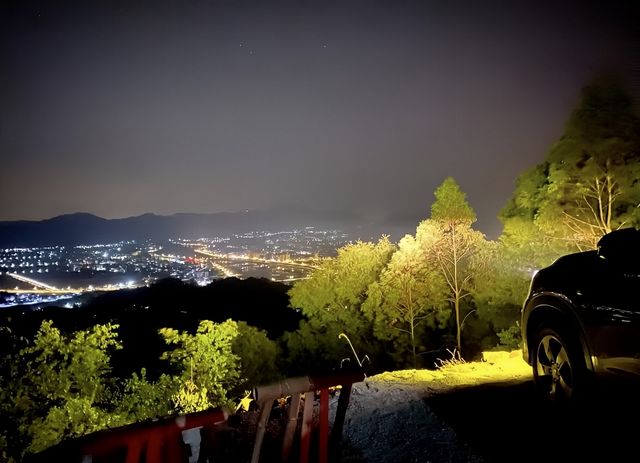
33, 276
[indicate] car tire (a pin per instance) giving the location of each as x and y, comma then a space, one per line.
558, 365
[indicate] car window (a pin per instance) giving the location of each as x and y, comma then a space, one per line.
621, 249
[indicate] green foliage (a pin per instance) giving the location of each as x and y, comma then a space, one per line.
455, 243
204, 369
331, 299
190, 398
408, 293
258, 355
60, 386
526, 199
498, 292
588, 184
142, 399
314, 346
206, 359
75, 417
335, 291
510, 262
510, 338
451, 204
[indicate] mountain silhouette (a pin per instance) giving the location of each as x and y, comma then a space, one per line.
84, 228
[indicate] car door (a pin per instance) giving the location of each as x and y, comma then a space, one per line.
616, 308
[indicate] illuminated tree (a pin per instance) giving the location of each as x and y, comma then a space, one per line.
205, 363
588, 184
409, 292
258, 355
331, 299
204, 366
142, 399
452, 244
59, 386
499, 290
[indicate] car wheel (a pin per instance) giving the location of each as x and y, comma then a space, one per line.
558, 368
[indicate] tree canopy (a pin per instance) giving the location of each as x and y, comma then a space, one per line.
588, 184
331, 299
410, 292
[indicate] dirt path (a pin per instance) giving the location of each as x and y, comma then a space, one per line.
485, 412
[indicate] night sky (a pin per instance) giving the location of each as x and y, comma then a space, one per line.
120, 108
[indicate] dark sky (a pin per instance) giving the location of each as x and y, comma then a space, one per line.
122, 107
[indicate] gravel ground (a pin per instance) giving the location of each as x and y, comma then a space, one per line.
389, 422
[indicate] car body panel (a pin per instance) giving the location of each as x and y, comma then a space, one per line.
597, 293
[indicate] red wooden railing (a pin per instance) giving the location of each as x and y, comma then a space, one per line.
157, 441
161, 441
304, 388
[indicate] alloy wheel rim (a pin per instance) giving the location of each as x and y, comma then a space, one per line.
554, 368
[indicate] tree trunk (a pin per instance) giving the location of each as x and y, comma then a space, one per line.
459, 328
413, 346
456, 289
412, 320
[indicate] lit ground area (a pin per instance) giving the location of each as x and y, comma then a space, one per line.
485, 411
495, 367
390, 420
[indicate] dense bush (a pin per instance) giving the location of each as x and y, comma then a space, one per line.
61, 386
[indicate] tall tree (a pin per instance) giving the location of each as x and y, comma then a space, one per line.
410, 292
588, 184
455, 245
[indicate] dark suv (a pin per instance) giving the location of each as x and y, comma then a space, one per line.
582, 316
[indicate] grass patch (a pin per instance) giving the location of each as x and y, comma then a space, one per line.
495, 367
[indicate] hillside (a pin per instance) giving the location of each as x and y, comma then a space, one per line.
84, 228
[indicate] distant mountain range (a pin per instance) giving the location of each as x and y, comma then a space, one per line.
84, 228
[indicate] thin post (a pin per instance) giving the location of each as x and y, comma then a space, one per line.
134, 449
305, 432
262, 426
324, 426
292, 424
338, 423
154, 447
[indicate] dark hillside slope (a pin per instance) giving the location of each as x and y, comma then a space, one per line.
169, 303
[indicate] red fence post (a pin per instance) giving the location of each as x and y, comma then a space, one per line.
305, 432
324, 426
296, 387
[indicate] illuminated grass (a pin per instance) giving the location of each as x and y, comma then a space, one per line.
495, 367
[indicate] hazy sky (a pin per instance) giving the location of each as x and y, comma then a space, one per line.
123, 107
